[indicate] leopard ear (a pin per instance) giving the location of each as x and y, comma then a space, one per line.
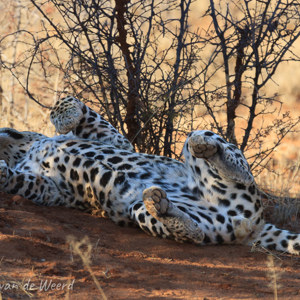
8, 137
12, 133
5, 151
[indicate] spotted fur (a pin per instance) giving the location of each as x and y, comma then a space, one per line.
211, 198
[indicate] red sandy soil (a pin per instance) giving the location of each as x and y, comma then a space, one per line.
126, 262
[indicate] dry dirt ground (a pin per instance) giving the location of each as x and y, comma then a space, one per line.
36, 261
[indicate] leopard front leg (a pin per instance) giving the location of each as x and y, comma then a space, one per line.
39, 189
158, 216
226, 158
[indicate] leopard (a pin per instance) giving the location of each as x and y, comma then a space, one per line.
208, 198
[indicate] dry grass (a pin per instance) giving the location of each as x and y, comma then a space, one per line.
273, 276
83, 248
282, 179
282, 188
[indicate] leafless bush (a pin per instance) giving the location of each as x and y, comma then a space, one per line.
147, 69
249, 40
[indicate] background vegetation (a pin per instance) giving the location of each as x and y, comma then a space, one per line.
157, 70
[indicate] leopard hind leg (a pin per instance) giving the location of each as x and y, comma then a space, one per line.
70, 114
66, 114
226, 158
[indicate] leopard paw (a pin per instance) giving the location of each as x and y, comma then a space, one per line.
182, 227
201, 147
156, 202
242, 228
